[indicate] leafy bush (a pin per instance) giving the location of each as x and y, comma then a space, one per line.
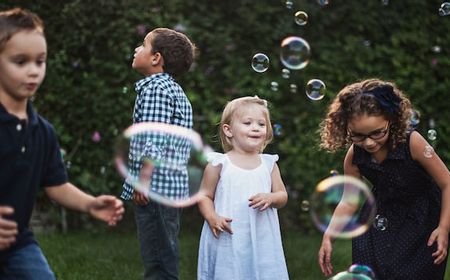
89, 84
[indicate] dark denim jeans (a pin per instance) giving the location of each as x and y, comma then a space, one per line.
158, 227
27, 263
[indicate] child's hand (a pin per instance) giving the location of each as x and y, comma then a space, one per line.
8, 228
219, 224
325, 256
261, 201
440, 236
140, 198
107, 208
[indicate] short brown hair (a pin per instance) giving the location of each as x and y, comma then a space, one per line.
15, 20
233, 108
176, 49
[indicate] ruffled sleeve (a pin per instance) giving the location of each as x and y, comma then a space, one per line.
215, 158
269, 161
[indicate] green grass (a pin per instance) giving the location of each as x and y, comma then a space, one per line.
114, 254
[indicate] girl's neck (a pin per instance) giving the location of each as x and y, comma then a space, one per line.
244, 160
381, 154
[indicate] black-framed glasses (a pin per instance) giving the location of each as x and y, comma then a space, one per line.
375, 135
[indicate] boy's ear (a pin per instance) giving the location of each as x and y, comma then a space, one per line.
157, 59
227, 130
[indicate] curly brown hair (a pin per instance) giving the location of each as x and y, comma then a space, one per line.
356, 100
15, 20
176, 49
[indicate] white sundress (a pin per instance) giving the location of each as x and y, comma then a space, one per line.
254, 251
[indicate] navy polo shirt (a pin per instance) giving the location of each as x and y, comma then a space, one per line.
30, 159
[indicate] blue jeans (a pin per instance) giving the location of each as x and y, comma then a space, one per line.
26, 263
158, 227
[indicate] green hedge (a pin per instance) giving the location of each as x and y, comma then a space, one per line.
89, 84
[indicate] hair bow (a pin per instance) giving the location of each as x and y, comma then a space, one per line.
386, 97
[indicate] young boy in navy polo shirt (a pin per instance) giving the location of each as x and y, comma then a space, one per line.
163, 55
29, 152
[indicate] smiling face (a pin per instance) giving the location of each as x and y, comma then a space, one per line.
247, 131
22, 66
369, 132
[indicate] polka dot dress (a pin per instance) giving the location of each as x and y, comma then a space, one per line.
408, 210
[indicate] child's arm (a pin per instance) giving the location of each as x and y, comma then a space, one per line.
437, 169
342, 209
104, 207
277, 198
8, 228
208, 186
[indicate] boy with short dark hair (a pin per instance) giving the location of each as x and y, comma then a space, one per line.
30, 157
164, 54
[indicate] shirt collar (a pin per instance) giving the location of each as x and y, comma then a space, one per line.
5, 116
158, 76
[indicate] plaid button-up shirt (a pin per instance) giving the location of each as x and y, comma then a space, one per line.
160, 99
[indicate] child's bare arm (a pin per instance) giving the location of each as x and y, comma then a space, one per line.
104, 207
208, 186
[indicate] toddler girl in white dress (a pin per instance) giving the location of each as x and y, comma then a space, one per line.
243, 188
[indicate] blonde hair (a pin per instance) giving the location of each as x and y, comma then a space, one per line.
233, 109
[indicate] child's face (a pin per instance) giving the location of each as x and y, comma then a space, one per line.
369, 132
248, 129
22, 65
144, 58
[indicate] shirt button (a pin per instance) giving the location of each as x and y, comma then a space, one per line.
23, 149
19, 127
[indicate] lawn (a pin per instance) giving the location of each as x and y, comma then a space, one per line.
114, 254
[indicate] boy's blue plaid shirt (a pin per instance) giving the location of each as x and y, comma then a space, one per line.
161, 99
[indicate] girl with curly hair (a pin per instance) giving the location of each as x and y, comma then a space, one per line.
411, 184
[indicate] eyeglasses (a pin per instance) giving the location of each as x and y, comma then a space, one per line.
376, 135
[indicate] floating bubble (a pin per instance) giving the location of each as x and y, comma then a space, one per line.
380, 223
356, 206
277, 129
366, 43
285, 73
414, 119
289, 4
361, 270
301, 18
124, 90
436, 49
304, 205
260, 62
102, 170
444, 10
63, 153
432, 134
428, 151
315, 89
385, 2
334, 172
148, 155
295, 53
293, 88
345, 275
323, 2
274, 86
